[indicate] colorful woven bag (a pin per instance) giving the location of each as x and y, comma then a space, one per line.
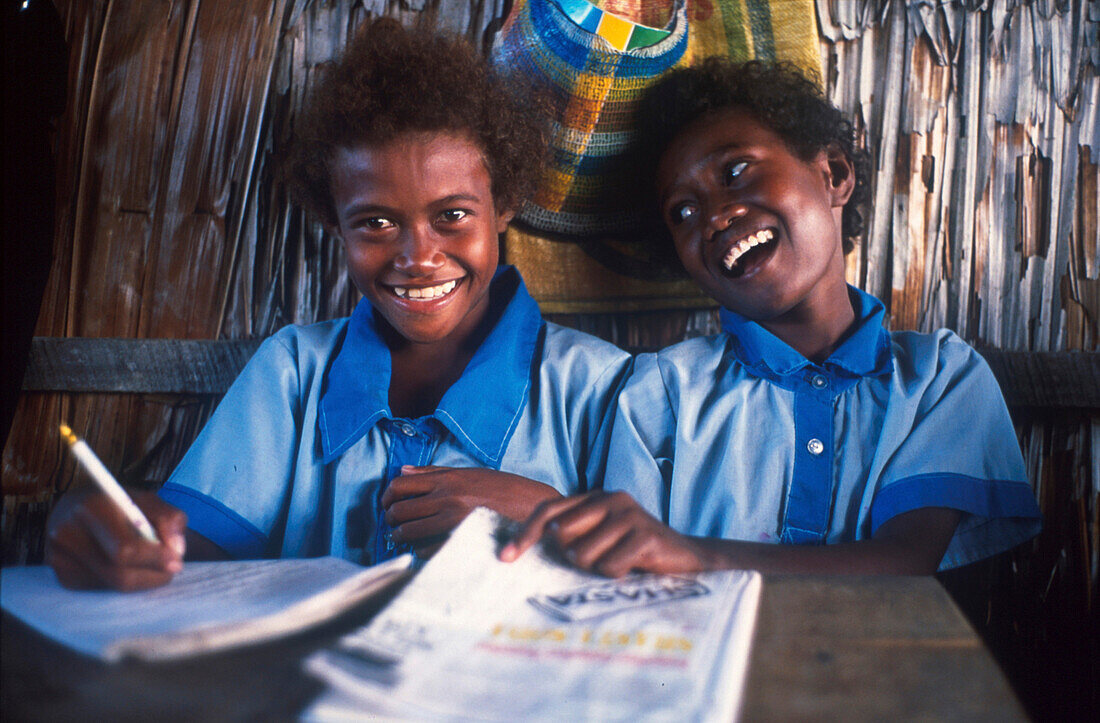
592, 82
594, 61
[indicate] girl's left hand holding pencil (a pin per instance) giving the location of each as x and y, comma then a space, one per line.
90, 543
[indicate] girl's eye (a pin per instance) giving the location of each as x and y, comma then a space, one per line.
681, 212
376, 223
732, 171
451, 215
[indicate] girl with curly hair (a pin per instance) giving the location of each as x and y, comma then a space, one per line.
445, 390
805, 437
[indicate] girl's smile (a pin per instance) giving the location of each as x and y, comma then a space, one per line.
759, 243
426, 293
419, 226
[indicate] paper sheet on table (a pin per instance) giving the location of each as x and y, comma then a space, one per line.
475, 638
208, 606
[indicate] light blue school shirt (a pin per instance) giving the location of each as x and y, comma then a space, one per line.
295, 458
739, 436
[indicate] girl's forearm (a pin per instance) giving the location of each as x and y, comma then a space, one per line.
910, 544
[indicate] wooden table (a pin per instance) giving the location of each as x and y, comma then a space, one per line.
870, 649
826, 648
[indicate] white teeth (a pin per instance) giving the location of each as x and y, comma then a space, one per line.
426, 292
743, 245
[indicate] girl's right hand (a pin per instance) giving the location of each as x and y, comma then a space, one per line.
91, 544
611, 534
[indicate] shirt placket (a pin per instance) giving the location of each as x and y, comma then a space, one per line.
411, 443
806, 519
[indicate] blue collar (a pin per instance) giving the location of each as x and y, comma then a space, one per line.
481, 409
865, 352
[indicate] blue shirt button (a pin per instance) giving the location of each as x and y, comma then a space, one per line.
408, 429
819, 381
815, 446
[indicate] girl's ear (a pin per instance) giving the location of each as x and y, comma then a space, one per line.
841, 175
503, 219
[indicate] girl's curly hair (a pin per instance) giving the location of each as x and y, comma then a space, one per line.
778, 95
391, 81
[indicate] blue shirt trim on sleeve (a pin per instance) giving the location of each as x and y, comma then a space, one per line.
216, 522
987, 498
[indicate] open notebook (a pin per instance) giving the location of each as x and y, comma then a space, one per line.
209, 606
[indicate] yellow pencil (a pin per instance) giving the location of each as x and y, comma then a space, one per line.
108, 483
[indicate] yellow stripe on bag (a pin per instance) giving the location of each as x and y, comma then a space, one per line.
580, 121
615, 30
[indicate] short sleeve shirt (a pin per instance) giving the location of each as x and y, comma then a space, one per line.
739, 436
295, 458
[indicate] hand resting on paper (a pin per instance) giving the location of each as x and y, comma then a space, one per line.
610, 533
424, 504
91, 544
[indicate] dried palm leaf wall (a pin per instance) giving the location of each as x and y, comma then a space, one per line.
982, 117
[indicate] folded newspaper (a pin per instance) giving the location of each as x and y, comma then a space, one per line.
474, 638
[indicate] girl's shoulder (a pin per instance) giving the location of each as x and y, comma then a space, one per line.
580, 362
302, 345
683, 351
695, 363
320, 336
937, 362
934, 351
562, 343
695, 356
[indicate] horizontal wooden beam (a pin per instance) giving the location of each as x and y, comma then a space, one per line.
1056, 380
1059, 380
135, 366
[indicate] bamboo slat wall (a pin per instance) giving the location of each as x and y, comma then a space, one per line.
985, 208
982, 120
982, 117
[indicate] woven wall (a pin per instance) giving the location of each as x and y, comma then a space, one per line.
982, 117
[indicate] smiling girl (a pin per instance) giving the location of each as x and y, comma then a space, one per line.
445, 390
805, 437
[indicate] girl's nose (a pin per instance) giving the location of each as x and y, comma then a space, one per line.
420, 253
723, 214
